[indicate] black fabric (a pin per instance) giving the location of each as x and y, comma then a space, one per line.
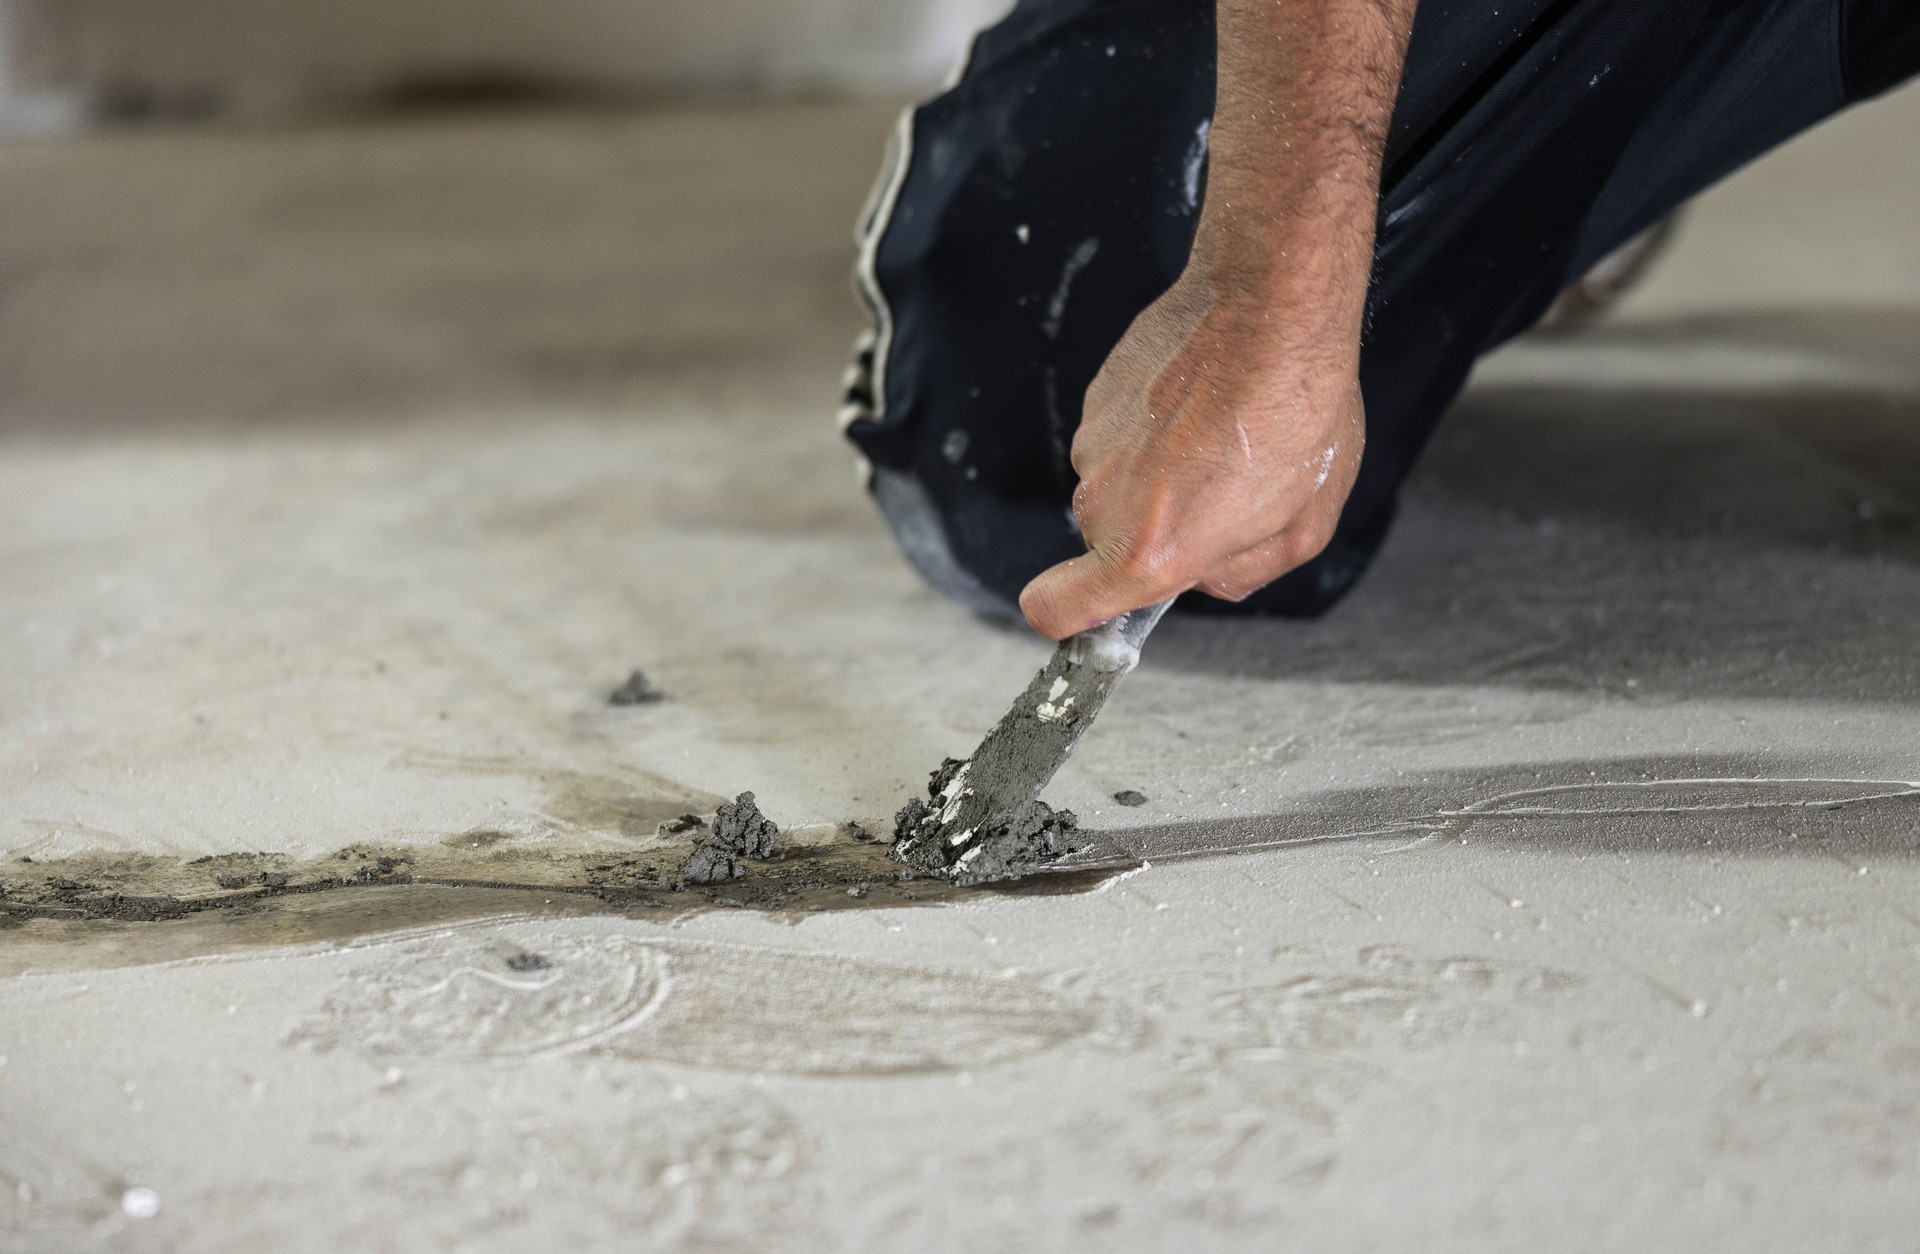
1075, 122
1751, 79
1881, 44
1051, 195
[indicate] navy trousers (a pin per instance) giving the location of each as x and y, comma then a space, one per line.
1029, 212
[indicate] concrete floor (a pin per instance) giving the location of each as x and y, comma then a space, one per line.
1561, 890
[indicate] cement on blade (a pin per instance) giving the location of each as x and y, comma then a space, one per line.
984, 820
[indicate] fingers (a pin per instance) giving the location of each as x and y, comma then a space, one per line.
1248, 571
1088, 590
1240, 575
1159, 562
1185, 465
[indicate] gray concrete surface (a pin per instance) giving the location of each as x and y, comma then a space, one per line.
1559, 891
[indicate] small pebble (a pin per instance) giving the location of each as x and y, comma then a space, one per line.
1128, 797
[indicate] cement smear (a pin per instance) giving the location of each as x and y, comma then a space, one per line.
817, 868
107, 902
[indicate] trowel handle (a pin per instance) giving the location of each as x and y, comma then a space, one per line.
1114, 645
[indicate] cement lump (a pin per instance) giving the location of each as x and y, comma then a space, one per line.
637, 690
740, 832
1035, 836
742, 826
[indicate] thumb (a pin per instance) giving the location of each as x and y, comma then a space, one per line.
1086, 591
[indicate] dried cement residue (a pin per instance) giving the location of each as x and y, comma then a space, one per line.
638, 690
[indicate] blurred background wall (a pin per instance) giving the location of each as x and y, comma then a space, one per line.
65, 63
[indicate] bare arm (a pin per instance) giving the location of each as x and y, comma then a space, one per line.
1221, 437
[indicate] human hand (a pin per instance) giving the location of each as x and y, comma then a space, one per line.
1216, 448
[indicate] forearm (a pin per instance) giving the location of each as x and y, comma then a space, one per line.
1304, 95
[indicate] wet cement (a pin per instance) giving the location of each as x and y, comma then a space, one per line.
812, 873
97, 923
982, 820
735, 861
1034, 837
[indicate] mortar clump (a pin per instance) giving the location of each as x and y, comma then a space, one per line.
1035, 836
739, 832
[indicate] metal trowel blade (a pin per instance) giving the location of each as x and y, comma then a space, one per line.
1031, 741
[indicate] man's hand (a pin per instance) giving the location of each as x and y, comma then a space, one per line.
1215, 452
1220, 439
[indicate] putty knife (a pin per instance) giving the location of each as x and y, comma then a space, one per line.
987, 792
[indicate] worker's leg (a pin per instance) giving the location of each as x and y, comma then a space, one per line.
1037, 206
1027, 215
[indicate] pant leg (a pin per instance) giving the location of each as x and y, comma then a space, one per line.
1880, 45
1029, 213
1046, 198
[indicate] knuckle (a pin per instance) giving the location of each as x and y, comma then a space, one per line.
1318, 537
1229, 589
1302, 545
1291, 550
